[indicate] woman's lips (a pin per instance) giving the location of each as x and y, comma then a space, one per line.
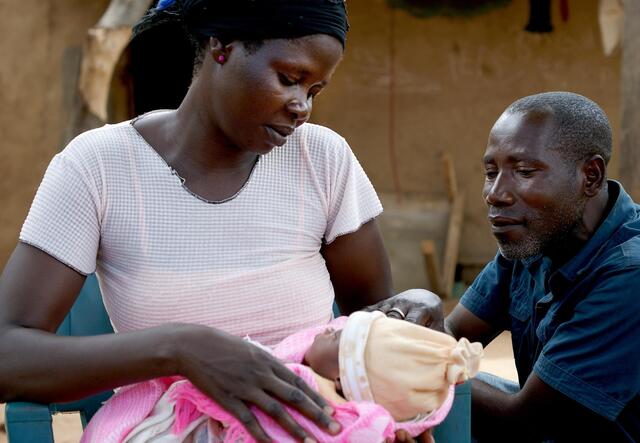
278, 134
283, 130
275, 138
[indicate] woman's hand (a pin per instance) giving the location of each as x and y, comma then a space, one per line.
415, 305
237, 374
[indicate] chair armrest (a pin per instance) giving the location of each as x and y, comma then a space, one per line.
86, 407
28, 422
456, 428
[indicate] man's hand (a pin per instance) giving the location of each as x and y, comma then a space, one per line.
403, 436
418, 306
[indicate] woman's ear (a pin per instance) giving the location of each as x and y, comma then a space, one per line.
595, 174
218, 51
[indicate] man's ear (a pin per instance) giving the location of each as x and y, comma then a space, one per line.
594, 170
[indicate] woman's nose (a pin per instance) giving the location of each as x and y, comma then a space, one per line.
498, 192
300, 108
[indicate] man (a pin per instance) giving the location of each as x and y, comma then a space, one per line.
566, 280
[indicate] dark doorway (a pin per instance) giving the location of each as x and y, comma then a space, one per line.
161, 67
154, 72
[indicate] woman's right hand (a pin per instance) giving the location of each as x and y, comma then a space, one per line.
237, 374
36, 292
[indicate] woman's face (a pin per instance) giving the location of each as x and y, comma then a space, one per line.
322, 355
260, 96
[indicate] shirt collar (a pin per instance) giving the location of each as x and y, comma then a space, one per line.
623, 210
529, 261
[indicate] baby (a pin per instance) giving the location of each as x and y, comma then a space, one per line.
405, 368
379, 374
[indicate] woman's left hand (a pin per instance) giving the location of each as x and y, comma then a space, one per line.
418, 306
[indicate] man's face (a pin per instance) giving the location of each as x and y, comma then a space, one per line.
534, 197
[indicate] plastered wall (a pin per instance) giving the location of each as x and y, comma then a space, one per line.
40, 46
453, 77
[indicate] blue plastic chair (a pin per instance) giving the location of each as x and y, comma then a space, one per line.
456, 428
31, 422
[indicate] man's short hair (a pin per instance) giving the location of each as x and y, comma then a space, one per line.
582, 128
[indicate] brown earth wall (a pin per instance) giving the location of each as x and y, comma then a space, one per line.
453, 77
40, 47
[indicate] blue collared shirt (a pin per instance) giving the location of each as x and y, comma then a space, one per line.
576, 327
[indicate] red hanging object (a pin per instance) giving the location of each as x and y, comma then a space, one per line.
564, 10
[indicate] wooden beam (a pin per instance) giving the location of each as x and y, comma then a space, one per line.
450, 176
123, 13
442, 282
430, 255
452, 246
630, 131
103, 47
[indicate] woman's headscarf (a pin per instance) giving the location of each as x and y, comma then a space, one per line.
251, 20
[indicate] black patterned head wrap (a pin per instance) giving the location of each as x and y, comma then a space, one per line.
251, 20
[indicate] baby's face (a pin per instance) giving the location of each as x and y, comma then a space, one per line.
322, 355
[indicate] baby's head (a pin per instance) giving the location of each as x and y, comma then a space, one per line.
322, 355
405, 368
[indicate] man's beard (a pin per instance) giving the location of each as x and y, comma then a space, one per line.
550, 234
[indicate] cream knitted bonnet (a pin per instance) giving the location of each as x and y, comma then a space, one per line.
405, 368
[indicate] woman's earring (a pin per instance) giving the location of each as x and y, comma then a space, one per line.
221, 59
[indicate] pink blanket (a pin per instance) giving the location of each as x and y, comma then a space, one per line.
361, 422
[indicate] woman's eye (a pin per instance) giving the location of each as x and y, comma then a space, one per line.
286, 80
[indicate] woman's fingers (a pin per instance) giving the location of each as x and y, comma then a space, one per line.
292, 390
277, 411
244, 415
263, 399
248, 375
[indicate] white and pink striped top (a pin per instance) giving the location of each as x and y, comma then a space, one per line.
250, 265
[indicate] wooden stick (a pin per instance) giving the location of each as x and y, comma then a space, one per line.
452, 247
442, 283
432, 268
450, 176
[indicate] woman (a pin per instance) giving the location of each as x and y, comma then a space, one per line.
228, 216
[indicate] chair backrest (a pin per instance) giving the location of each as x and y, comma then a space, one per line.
30, 422
87, 315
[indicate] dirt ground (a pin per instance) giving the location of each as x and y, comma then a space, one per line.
498, 360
